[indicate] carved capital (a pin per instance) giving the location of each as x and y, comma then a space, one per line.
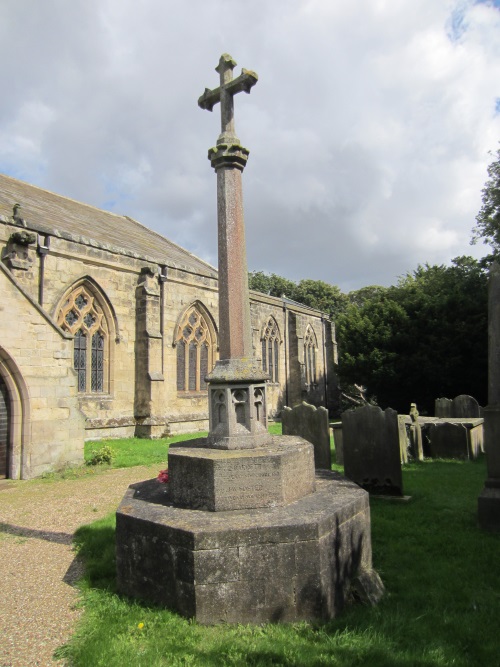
228, 155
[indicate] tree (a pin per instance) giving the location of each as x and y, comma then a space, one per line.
271, 284
488, 219
314, 293
323, 296
422, 339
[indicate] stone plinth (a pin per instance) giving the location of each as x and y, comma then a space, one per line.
288, 563
216, 480
455, 438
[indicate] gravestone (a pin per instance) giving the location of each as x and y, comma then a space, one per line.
489, 499
372, 455
244, 531
461, 407
443, 407
465, 407
311, 424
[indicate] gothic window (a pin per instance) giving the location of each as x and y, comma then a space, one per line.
270, 341
195, 342
310, 352
82, 315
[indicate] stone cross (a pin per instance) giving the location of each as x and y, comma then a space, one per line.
225, 93
237, 396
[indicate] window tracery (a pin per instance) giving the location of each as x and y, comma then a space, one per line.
195, 342
310, 360
270, 341
82, 315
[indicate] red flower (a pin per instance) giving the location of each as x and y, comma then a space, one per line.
163, 476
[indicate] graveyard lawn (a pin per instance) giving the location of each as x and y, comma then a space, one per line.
441, 606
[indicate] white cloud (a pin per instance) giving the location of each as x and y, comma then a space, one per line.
369, 137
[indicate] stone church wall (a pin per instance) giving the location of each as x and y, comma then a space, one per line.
46, 430
143, 302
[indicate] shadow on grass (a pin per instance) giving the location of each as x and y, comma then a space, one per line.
95, 544
441, 606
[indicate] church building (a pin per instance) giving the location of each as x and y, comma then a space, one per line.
108, 330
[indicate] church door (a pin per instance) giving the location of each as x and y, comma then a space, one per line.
4, 429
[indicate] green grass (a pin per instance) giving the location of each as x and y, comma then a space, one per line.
128, 452
441, 607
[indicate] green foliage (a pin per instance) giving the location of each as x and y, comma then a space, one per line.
100, 456
317, 294
440, 609
419, 340
488, 219
422, 339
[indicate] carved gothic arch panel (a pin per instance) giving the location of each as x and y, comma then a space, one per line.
205, 313
92, 286
195, 341
85, 312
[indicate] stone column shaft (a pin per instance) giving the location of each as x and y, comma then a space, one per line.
489, 499
234, 306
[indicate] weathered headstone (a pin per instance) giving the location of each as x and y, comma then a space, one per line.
443, 407
461, 407
465, 407
243, 531
311, 424
489, 499
372, 456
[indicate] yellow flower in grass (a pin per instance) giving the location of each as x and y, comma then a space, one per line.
140, 625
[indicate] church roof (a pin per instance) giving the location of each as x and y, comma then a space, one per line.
60, 216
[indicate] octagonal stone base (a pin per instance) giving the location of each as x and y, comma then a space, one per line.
274, 564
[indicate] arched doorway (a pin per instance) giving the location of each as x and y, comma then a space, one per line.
4, 429
14, 420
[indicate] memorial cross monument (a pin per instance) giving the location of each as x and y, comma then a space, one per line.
237, 391
244, 531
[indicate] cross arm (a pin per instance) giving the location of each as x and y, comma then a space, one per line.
209, 99
243, 82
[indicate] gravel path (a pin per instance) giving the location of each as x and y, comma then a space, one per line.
38, 567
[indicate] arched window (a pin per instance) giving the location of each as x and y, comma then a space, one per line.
310, 351
270, 341
82, 315
196, 350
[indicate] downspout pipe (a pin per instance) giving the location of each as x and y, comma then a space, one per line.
42, 250
285, 310
162, 279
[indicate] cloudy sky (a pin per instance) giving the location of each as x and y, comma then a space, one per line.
369, 128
